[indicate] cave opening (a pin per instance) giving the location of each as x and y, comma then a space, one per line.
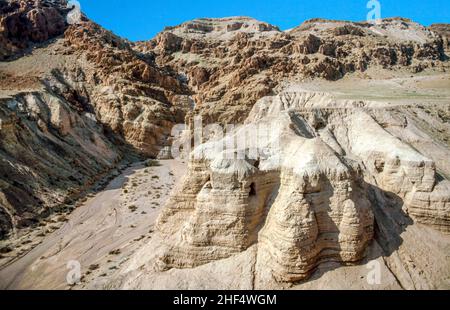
252, 190
257, 163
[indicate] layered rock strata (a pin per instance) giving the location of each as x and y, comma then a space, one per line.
73, 107
230, 63
305, 194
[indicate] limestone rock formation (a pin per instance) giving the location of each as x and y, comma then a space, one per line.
230, 63
328, 179
133, 96
305, 199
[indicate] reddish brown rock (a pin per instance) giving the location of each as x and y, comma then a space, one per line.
24, 23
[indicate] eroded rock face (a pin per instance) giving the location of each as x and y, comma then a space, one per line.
74, 108
27, 22
230, 63
84, 100
311, 198
321, 214
129, 92
50, 153
444, 31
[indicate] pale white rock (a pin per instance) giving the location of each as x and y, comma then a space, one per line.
308, 200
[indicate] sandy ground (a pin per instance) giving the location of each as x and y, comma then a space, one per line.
393, 88
24, 74
101, 234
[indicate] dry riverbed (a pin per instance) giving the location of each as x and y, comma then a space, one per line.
100, 235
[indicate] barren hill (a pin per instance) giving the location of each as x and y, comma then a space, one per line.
355, 169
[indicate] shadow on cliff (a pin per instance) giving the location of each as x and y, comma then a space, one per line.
58, 164
390, 221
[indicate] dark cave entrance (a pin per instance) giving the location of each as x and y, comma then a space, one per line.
252, 190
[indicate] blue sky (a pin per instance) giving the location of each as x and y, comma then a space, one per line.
143, 19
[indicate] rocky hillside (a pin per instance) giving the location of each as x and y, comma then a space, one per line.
231, 63
444, 31
77, 102
28, 22
333, 181
72, 107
